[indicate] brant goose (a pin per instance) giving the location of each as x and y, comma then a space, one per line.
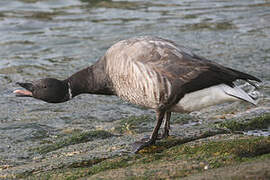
152, 72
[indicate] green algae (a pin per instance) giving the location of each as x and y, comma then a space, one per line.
75, 138
190, 16
261, 122
85, 169
225, 152
180, 160
133, 124
218, 26
174, 141
183, 119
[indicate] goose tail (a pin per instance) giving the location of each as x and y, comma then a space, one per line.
237, 92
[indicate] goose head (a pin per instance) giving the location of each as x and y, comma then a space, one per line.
49, 90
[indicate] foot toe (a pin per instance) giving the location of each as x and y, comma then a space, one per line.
139, 145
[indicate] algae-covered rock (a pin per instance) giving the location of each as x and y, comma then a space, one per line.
75, 138
134, 124
179, 161
99, 154
260, 122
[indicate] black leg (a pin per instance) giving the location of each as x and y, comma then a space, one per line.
167, 118
140, 145
177, 93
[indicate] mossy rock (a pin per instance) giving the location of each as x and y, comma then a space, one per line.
261, 122
183, 119
134, 124
179, 161
75, 138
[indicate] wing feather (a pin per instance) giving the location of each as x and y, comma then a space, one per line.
179, 64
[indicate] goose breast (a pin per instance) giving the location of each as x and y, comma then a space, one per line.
134, 74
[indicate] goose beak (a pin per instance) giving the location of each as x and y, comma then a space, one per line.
24, 93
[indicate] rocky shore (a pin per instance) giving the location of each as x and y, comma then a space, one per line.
223, 146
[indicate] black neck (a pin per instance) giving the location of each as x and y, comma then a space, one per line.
93, 80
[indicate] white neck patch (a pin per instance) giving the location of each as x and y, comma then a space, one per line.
69, 91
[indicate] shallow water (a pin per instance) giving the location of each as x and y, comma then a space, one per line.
55, 38
264, 132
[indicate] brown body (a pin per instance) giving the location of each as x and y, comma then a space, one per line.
147, 71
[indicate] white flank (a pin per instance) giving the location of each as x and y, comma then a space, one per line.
69, 91
211, 96
239, 93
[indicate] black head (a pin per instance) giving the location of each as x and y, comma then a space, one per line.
49, 90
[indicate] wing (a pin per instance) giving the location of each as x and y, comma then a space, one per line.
189, 70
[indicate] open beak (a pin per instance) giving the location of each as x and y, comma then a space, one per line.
24, 93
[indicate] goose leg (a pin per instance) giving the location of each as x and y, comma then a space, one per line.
167, 118
160, 113
137, 146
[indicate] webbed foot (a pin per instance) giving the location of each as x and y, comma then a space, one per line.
139, 145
